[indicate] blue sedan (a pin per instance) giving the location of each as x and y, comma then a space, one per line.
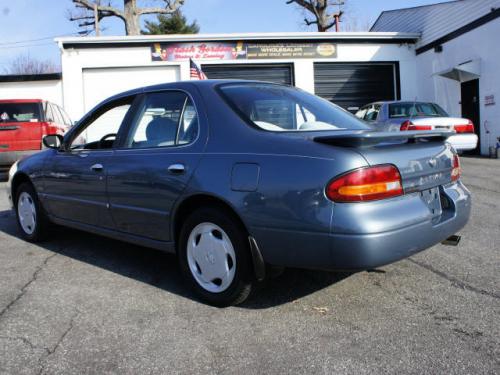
238, 178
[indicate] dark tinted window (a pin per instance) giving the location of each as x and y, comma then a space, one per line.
19, 112
282, 108
372, 113
415, 109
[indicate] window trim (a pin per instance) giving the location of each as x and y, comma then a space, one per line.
135, 113
90, 117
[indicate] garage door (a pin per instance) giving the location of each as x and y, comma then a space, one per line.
277, 73
352, 85
101, 83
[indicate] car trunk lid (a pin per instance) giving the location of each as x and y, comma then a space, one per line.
424, 159
440, 123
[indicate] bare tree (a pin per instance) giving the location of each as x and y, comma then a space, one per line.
25, 64
130, 13
322, 10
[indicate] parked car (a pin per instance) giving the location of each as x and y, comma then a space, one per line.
23, 124
405, 116
236, 176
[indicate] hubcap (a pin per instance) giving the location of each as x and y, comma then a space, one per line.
211, 257
26, 211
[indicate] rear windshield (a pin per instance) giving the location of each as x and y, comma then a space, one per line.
416, 109
281, 108
19, 112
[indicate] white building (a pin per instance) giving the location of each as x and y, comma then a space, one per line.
457, 57
350, 69
444, 53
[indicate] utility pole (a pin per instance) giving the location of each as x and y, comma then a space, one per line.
96, 20
337, 16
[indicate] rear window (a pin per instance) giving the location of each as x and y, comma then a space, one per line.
281, 108
416, 109
19, 112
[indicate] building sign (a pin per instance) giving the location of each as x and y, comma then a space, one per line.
241, 51
489, 100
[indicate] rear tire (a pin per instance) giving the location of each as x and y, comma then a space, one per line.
214, 257
31, 218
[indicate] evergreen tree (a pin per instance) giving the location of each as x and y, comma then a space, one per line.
176, 23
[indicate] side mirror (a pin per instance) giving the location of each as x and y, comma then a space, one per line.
53, 141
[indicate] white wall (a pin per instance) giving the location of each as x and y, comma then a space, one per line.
481, 43
48, 90
76, 65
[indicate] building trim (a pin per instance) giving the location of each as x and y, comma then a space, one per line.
147, 40
31, 77
494, 14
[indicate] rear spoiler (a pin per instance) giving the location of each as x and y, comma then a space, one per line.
366, 139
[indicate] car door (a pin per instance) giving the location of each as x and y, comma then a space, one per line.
153, 165
75, 178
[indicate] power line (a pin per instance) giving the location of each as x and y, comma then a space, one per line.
26, 46
34, 40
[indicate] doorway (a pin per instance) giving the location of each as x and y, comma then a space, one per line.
470, 107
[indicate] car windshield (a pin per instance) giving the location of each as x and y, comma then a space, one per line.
415, 110
281, 108
19, 112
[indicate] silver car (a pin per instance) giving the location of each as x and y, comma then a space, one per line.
406, 116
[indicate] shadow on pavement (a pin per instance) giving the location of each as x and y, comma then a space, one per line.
160, 270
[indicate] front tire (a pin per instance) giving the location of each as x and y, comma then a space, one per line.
31, 219
214, 257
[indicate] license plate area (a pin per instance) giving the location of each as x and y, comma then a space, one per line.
432, 198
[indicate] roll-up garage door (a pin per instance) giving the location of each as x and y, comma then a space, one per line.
101, 83
277, 73
352, 85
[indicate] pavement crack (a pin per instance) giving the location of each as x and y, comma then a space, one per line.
24, 288
454, 281
25, 341
54, 348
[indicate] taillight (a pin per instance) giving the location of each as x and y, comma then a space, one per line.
457, 170
465, 128
366, 184
408, 125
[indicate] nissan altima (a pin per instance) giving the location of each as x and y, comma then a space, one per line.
238, 178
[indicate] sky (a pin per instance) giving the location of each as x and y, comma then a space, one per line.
29, 26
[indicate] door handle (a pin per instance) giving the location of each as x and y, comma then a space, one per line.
97, 167
176, 168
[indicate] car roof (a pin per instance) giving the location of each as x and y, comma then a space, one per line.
398, 102
180, 84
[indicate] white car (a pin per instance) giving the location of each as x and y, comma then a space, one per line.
403, 116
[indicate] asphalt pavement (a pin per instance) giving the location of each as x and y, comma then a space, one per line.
83, 304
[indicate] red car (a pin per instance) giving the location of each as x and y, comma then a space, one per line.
23, 124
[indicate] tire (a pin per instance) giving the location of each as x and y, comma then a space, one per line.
214, 257
31, 218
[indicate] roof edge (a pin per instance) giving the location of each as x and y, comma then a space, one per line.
30, 77
244, 36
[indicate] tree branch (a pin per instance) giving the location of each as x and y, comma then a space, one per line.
169, 8
100, 8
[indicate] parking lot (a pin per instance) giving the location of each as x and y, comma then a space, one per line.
84, 304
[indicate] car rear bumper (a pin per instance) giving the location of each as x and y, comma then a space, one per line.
463, 142
369, 235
